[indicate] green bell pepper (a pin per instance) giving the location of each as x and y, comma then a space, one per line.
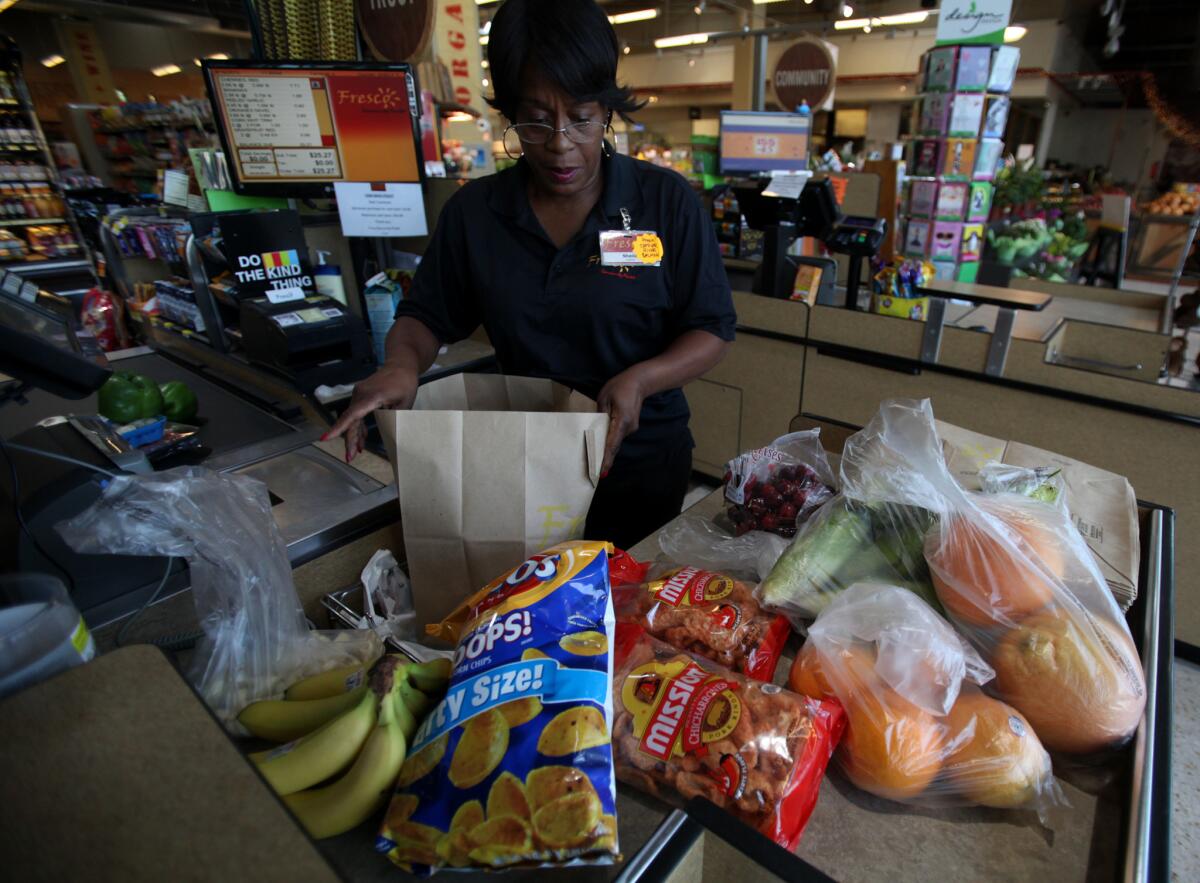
127, 397
179, 402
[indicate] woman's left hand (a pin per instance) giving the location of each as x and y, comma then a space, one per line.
622, 399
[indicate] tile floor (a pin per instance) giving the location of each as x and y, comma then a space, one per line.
1185, 751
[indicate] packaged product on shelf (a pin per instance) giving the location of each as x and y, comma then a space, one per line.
714, 615
918, 728
686, 727
1014, 575
774, 488
515, 765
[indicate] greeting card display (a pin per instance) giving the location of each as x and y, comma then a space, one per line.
979, 203
965, 273
958, 158
943, 271
921, 198
972, 242
943, 246
974, 64
1004, 69
939, 69
966, 113
987, 157
924, 158
934, 112
995, 116
916, 238
951, 202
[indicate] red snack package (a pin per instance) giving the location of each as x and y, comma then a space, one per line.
686, 728
709, 614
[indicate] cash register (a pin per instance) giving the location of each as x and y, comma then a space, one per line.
310, 341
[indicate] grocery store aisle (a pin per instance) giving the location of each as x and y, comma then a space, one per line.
1185, 773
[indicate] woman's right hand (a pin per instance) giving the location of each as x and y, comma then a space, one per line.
389, 387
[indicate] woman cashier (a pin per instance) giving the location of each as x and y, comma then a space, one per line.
538, 256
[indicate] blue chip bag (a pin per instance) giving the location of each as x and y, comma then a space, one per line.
514, 766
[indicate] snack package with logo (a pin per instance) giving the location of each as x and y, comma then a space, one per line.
710, 614
918, 728
688, 728
514, 766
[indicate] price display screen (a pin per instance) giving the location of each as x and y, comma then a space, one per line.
764, 142
288, 125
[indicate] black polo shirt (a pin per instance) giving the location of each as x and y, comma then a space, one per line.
558, 313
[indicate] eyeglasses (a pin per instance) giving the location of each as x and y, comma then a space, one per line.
582, 132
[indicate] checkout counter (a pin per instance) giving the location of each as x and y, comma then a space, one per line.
1063, 367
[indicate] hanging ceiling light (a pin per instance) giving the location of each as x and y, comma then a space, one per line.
624, 18
847, 10
52, 60
682, 40
625, 49
1013, 33
699, 7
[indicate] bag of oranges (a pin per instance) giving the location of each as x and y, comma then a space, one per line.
918, 728
1016, 578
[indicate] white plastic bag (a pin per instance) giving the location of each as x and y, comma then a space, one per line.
256, 639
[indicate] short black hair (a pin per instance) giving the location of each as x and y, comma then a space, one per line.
570, 42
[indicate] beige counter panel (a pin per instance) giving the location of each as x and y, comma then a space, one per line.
771, 314
887, 335
1129, 353
1157, 456
746, 401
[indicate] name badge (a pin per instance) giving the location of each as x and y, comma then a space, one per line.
630, 248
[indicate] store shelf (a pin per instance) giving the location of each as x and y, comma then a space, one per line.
31, 222
45, 267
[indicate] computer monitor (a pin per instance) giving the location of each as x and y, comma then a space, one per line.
40, 348
754, 142
296, 128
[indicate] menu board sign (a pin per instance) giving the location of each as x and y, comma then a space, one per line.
292, 125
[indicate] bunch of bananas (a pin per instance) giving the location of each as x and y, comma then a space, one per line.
345, 722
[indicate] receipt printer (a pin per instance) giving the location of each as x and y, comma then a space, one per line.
311, 341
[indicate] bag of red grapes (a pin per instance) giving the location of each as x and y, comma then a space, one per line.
777, 487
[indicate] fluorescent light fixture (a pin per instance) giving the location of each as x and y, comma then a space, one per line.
624, 18
52, 60
485, 2
483, 41
764, 2
902, 18
165, 70
681, 40
219, 56
7, 4
1013, 33
847, 10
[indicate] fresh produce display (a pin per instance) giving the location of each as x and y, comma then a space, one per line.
775, 488
710, 614
1178, 202
918, 729
126, 397
686, 727
339, 724
1016, 578
179, 402
847, 541
514, 765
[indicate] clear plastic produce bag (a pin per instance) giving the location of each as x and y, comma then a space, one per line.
256, 639
1014, 575
777, 487
848, 541
918, 728
701, 542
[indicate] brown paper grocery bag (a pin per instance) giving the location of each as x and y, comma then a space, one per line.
490, 469
1102, 504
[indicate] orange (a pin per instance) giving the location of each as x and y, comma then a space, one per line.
995, 758
806, 677
1076, 678
891, 748
983, 582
